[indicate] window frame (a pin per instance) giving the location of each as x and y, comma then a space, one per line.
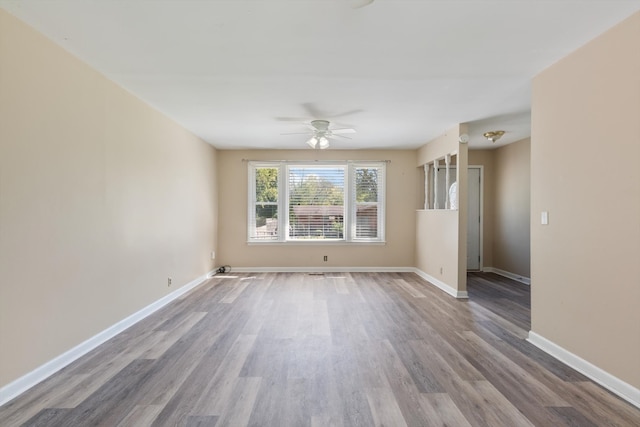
253, 166
349, 202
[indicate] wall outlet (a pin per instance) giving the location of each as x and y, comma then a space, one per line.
169, 281
326, 258
213, 254
441, 270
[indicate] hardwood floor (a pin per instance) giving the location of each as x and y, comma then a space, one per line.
337, 349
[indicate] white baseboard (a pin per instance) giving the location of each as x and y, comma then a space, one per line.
322, 269
22, 384
507, 274
615, 385
441, 285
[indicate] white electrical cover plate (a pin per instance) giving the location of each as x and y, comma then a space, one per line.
544, 218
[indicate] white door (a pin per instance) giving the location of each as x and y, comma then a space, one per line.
473, 218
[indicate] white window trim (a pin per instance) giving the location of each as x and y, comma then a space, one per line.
349, 238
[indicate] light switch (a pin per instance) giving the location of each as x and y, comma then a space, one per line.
544, 218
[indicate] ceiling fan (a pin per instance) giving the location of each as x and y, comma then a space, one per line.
321, 133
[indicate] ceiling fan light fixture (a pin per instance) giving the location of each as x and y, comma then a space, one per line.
312, 142
323, 143
493, 135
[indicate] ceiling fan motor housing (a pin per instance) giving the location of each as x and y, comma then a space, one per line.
320, 125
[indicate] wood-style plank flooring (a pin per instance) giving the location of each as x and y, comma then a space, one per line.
343, 349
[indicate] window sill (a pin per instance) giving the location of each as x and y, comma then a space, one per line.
316, 243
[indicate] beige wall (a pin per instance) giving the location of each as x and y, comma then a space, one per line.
101, 199
400, 224
512, 180
584, 157
441, 240
437, 251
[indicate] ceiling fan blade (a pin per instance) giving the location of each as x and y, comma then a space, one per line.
312, 110
357, 4
291, 119
317, 113
347, 113
346, 130
339, 136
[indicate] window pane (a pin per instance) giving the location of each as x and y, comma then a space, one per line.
266, 226
316, 202
366, 220
266, 185
263, 223
367, 181
366, 185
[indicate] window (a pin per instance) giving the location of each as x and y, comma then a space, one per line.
316, 202
319, 202
264, 215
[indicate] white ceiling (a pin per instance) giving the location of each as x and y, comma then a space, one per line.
240, 73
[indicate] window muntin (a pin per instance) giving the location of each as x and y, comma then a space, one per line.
321, 202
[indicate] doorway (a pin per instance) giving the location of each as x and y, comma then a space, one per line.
474, 209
